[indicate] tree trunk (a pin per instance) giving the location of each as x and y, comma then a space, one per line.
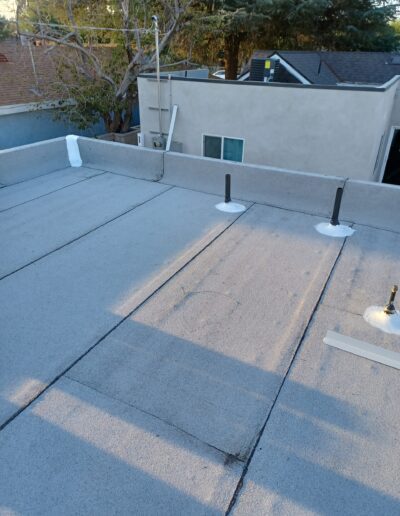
128, 115
116, 123
126, 121
107, 122
232, 45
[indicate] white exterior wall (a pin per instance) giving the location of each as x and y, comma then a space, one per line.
325, 131
393, 123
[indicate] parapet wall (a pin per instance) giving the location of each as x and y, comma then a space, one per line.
308, 193
128, 160
33, 160
372, 204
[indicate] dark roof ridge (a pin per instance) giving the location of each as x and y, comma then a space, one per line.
328, 51
329, 67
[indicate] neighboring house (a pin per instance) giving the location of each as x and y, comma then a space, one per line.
26, 111
341, 129
325, 68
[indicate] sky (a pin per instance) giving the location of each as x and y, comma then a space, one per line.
7, 8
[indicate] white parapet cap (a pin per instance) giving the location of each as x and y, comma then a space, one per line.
13, 109
74, 154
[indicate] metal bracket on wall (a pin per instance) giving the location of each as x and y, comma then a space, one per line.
157, 132
171, 127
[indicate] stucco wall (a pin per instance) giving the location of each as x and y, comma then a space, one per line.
34, 126
395, 115
393, 122
325, 131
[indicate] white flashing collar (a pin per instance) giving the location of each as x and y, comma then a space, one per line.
339, 231
375, 316
230, 207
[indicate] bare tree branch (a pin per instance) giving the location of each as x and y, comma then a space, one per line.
140, 53
82, 50
125, 23
71, 18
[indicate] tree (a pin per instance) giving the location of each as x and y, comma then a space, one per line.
231, 23
5, 30
239, 27
98, 67
353, 25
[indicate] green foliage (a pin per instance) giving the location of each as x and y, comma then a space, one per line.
97, 69
238, 27
230, 24
211, 29
5, 29
333, 25
93, 99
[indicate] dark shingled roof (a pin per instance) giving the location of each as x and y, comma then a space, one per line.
340, 67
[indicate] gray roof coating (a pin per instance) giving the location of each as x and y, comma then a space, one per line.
162, 357
323, 67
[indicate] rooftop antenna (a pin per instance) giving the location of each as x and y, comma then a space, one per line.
158, 142
35, 90
385, 318
229, 206
334, 228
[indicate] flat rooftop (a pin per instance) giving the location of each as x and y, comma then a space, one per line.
159, 356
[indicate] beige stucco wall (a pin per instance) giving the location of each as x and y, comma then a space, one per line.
326, 131
393, 123
395, 115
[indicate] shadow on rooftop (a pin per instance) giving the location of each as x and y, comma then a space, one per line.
92, 444
316, 487
221, 400
47, 468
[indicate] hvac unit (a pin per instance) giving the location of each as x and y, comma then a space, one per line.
263, 70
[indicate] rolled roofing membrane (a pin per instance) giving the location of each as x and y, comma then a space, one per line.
339, 231
74, 155
375, 316
230, 207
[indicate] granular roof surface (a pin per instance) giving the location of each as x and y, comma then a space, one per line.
161, 357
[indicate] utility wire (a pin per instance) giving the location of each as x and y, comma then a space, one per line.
88, 27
